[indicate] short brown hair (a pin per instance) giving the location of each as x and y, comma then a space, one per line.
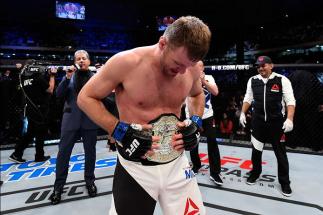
192, 33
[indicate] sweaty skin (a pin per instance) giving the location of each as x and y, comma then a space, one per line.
148, 82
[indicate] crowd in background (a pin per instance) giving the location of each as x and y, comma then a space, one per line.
50, 45
227, 106
86, 37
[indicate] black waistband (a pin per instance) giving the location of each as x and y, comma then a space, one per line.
146, 162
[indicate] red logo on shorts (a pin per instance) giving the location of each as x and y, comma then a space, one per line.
191, 208
275, 88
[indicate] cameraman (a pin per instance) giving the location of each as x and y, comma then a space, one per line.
37, 88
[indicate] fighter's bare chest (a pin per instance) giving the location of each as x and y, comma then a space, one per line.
156, 93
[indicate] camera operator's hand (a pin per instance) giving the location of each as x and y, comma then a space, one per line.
18, 65
52, 71
69, 72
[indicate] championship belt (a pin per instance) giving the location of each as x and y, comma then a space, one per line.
164, 127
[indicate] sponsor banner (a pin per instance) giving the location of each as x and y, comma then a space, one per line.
237, 169
12, 172
230, 67
21, 200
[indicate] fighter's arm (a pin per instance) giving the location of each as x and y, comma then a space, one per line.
188, 137
196, 99
101, 85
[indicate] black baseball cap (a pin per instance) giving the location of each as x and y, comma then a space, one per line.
261, 60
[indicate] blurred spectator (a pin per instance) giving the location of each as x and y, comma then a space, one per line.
226, 126
320, 108
6, 91
308, 124
231, 108
168, 20
90, 37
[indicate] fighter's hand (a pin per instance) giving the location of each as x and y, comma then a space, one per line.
189, 134
242, 119
177, 139
202, 75
154, 146
133, 143
288, 125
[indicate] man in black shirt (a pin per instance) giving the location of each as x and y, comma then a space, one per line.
37, 89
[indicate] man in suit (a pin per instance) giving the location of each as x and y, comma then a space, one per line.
75, 124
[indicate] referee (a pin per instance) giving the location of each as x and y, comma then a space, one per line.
269, 93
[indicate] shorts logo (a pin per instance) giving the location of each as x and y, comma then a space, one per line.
189, 173
275, 88
191, 208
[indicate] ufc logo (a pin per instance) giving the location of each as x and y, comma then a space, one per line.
34, 69
28, 82
133, 146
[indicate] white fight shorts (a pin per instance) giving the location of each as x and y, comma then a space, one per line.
137, 188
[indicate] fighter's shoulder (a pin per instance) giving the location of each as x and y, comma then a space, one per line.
126, 59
